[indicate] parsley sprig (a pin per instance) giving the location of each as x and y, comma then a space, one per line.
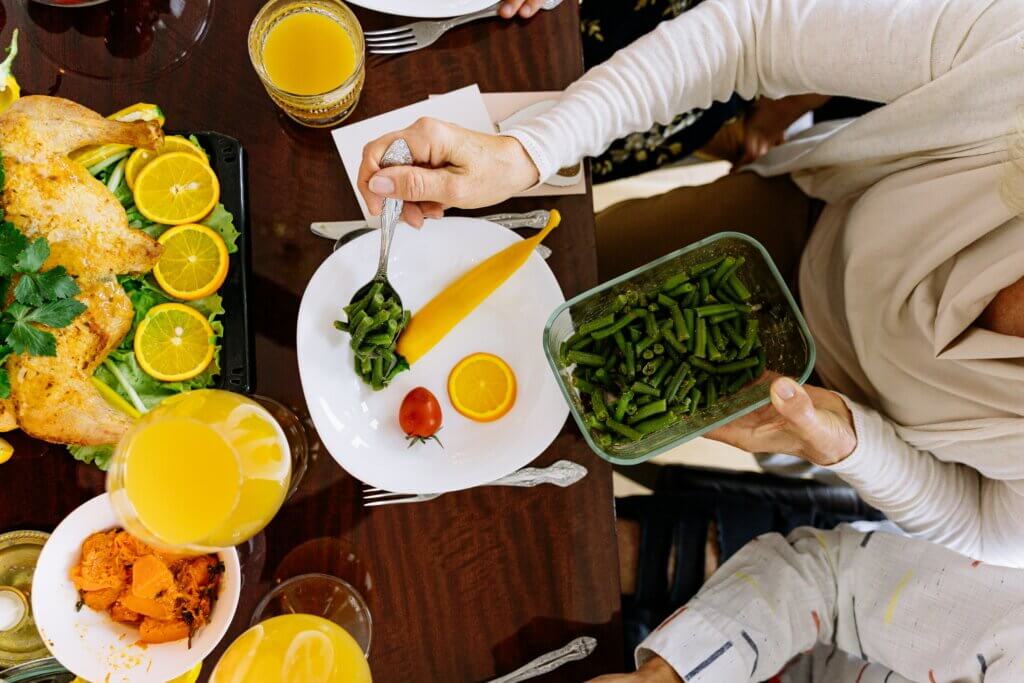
40, 297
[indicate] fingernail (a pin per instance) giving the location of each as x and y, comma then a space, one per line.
526, 12
785, 390
381, 184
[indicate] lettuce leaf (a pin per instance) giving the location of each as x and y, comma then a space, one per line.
221, 220
145, 293
97, 455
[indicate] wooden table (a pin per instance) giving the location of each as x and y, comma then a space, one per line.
465, 587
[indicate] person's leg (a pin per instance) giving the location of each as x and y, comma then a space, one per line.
772, 210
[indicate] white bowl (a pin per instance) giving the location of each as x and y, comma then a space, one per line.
93, 646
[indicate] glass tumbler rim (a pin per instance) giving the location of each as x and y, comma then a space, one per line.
261, 606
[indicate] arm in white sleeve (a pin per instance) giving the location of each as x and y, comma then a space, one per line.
913, 607
761, 608
946, 503
875, 50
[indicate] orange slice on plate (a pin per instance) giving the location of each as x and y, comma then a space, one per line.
482, 387
174, 342
176, 188
194, 263
140, 158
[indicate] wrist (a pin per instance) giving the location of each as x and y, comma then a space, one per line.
523, 172
657, 670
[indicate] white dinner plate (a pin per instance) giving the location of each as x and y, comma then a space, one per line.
360, 426
90, 644
425, 9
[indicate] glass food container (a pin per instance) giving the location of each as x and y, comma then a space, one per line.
787, 342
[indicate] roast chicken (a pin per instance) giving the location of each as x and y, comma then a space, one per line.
46, 194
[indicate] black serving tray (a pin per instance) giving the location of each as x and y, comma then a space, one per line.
237, 355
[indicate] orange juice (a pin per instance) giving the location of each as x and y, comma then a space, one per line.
293, 648
308, 53
309, 56
205, 469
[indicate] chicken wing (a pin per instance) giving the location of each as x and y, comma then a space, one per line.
47, 194
54, 399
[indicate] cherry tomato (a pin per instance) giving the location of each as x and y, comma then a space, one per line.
420, 415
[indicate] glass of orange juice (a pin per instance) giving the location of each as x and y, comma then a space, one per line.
204, 470
293, 648
310, 56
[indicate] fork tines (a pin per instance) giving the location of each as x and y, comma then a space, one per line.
392, 40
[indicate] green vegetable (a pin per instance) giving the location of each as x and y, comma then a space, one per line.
685, 340
584, 358
649, 410
624, 430
5, 66
374, 324
120, 370
41, 299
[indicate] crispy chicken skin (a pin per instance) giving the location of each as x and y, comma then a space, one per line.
53, 396
46, 194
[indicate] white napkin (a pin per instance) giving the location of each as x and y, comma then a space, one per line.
464, 107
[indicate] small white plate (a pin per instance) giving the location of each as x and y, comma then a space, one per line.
360, 427
90, 644
426, 9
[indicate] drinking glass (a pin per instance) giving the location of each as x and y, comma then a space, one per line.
322, 595
296, 48
206, 470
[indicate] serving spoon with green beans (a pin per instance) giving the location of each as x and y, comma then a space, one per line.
375, 316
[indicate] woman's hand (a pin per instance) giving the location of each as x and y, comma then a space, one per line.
525, 8
808, 422
454, 167
656, 670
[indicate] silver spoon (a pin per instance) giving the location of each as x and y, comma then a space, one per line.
574, 651
397, 154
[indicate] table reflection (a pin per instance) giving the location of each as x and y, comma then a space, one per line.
144, 37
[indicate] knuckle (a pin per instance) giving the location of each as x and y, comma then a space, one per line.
416, 186
425, 124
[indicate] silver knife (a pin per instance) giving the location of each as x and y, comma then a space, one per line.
335, 230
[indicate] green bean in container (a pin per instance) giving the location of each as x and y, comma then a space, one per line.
659, 356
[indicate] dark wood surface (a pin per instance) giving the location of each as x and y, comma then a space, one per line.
466, 587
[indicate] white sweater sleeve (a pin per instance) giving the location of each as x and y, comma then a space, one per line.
943, 502
875, 50
911, 607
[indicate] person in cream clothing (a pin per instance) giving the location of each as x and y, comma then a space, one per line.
912, 278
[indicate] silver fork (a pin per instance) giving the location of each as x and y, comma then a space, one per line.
420, 34
562, 474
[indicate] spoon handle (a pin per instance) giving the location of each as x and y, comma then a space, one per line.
389, 221
397, 154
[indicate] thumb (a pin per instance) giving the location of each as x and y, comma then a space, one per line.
413, 183
795, 405
825, 439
